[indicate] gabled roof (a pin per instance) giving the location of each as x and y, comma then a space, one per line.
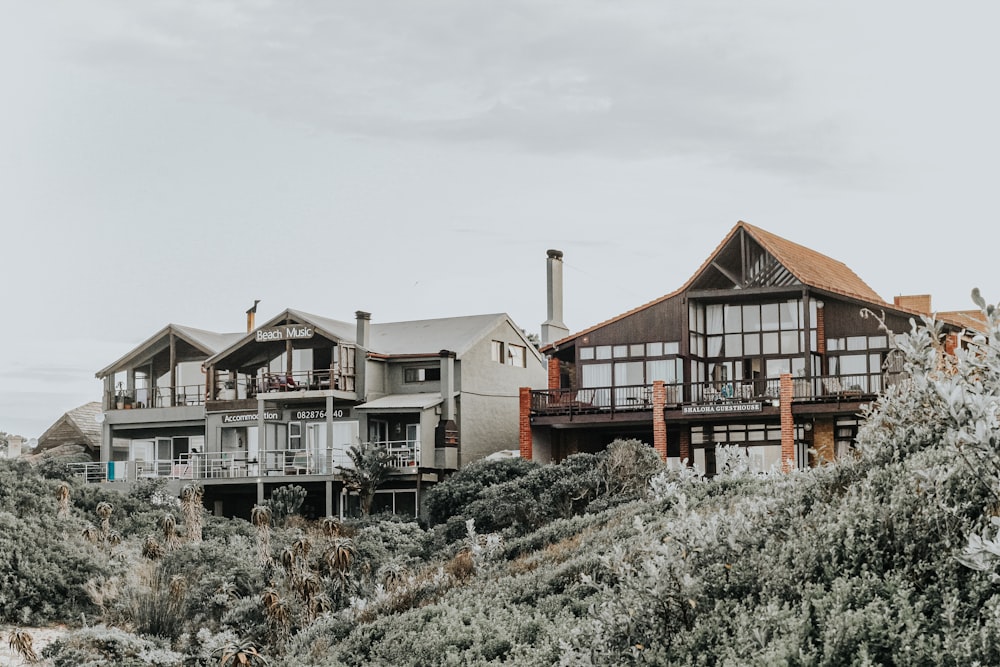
808, 267
419, 337
333, 329
393, 339
78, 426
207, 342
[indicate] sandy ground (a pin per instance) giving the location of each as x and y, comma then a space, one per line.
41, 637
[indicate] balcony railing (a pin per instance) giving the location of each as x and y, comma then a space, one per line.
158, 397
608, 400
225, 465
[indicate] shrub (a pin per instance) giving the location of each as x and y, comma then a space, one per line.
285, 501
450, 497
103, 645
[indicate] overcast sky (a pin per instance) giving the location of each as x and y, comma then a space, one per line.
170, 162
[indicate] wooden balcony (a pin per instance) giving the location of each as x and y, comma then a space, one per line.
612, 401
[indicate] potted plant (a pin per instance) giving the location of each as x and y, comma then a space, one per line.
228, 391
120, 397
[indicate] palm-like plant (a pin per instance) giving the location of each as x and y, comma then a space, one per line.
280, 615
371, 465
302, 546
269, 598
228, 589
90, 533
260, 517
392, 574
191, 506
152, 549
114, 538
104, 511
62, 496
331, 526
242, 653
20, 642
319, 604
307, 585
339, 556
168, 524
288, 560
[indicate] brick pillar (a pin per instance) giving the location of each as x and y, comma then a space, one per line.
686, 444
524, 433
553, 373
787, 423
951, 343
659, 419
821, 334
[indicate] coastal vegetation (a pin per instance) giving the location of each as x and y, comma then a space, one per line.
886, 557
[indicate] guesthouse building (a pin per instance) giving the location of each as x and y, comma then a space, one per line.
770, 346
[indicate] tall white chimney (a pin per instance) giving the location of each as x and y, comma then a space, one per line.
553, 328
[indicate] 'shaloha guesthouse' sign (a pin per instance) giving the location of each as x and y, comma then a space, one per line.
286, 332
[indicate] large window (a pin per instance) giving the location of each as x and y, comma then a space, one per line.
743, 342
858, 361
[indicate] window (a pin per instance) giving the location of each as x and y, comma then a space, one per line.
496, 351
516, 356
422, 374
586, 353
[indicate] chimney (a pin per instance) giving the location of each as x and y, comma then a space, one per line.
250, 315
553, 328
920, 303
364, 334
447, 385
14, 446
362, 341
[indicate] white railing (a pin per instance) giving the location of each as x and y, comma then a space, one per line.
223, 465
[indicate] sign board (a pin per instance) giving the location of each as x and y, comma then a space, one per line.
237, 417
305, 415
720, 408
286, 332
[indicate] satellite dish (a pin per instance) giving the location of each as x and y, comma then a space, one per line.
99, 418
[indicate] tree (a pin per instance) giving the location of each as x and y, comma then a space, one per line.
372, 464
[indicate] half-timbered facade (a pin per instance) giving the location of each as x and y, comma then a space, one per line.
765, 347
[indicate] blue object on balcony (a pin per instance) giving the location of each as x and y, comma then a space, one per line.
111, 471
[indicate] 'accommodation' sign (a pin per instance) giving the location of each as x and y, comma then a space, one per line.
287, 332
720, 408
237, 417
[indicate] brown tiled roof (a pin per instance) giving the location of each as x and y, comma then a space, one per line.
967, 319
810, 267
813, 268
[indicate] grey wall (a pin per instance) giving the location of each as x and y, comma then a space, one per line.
489, 394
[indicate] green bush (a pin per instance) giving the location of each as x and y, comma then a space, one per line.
103, 645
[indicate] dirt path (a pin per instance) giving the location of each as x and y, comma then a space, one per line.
40, 636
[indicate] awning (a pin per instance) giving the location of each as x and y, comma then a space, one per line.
402, 402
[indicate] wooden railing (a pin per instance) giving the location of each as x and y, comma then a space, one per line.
640, 397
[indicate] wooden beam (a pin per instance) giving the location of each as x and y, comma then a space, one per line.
736, 281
